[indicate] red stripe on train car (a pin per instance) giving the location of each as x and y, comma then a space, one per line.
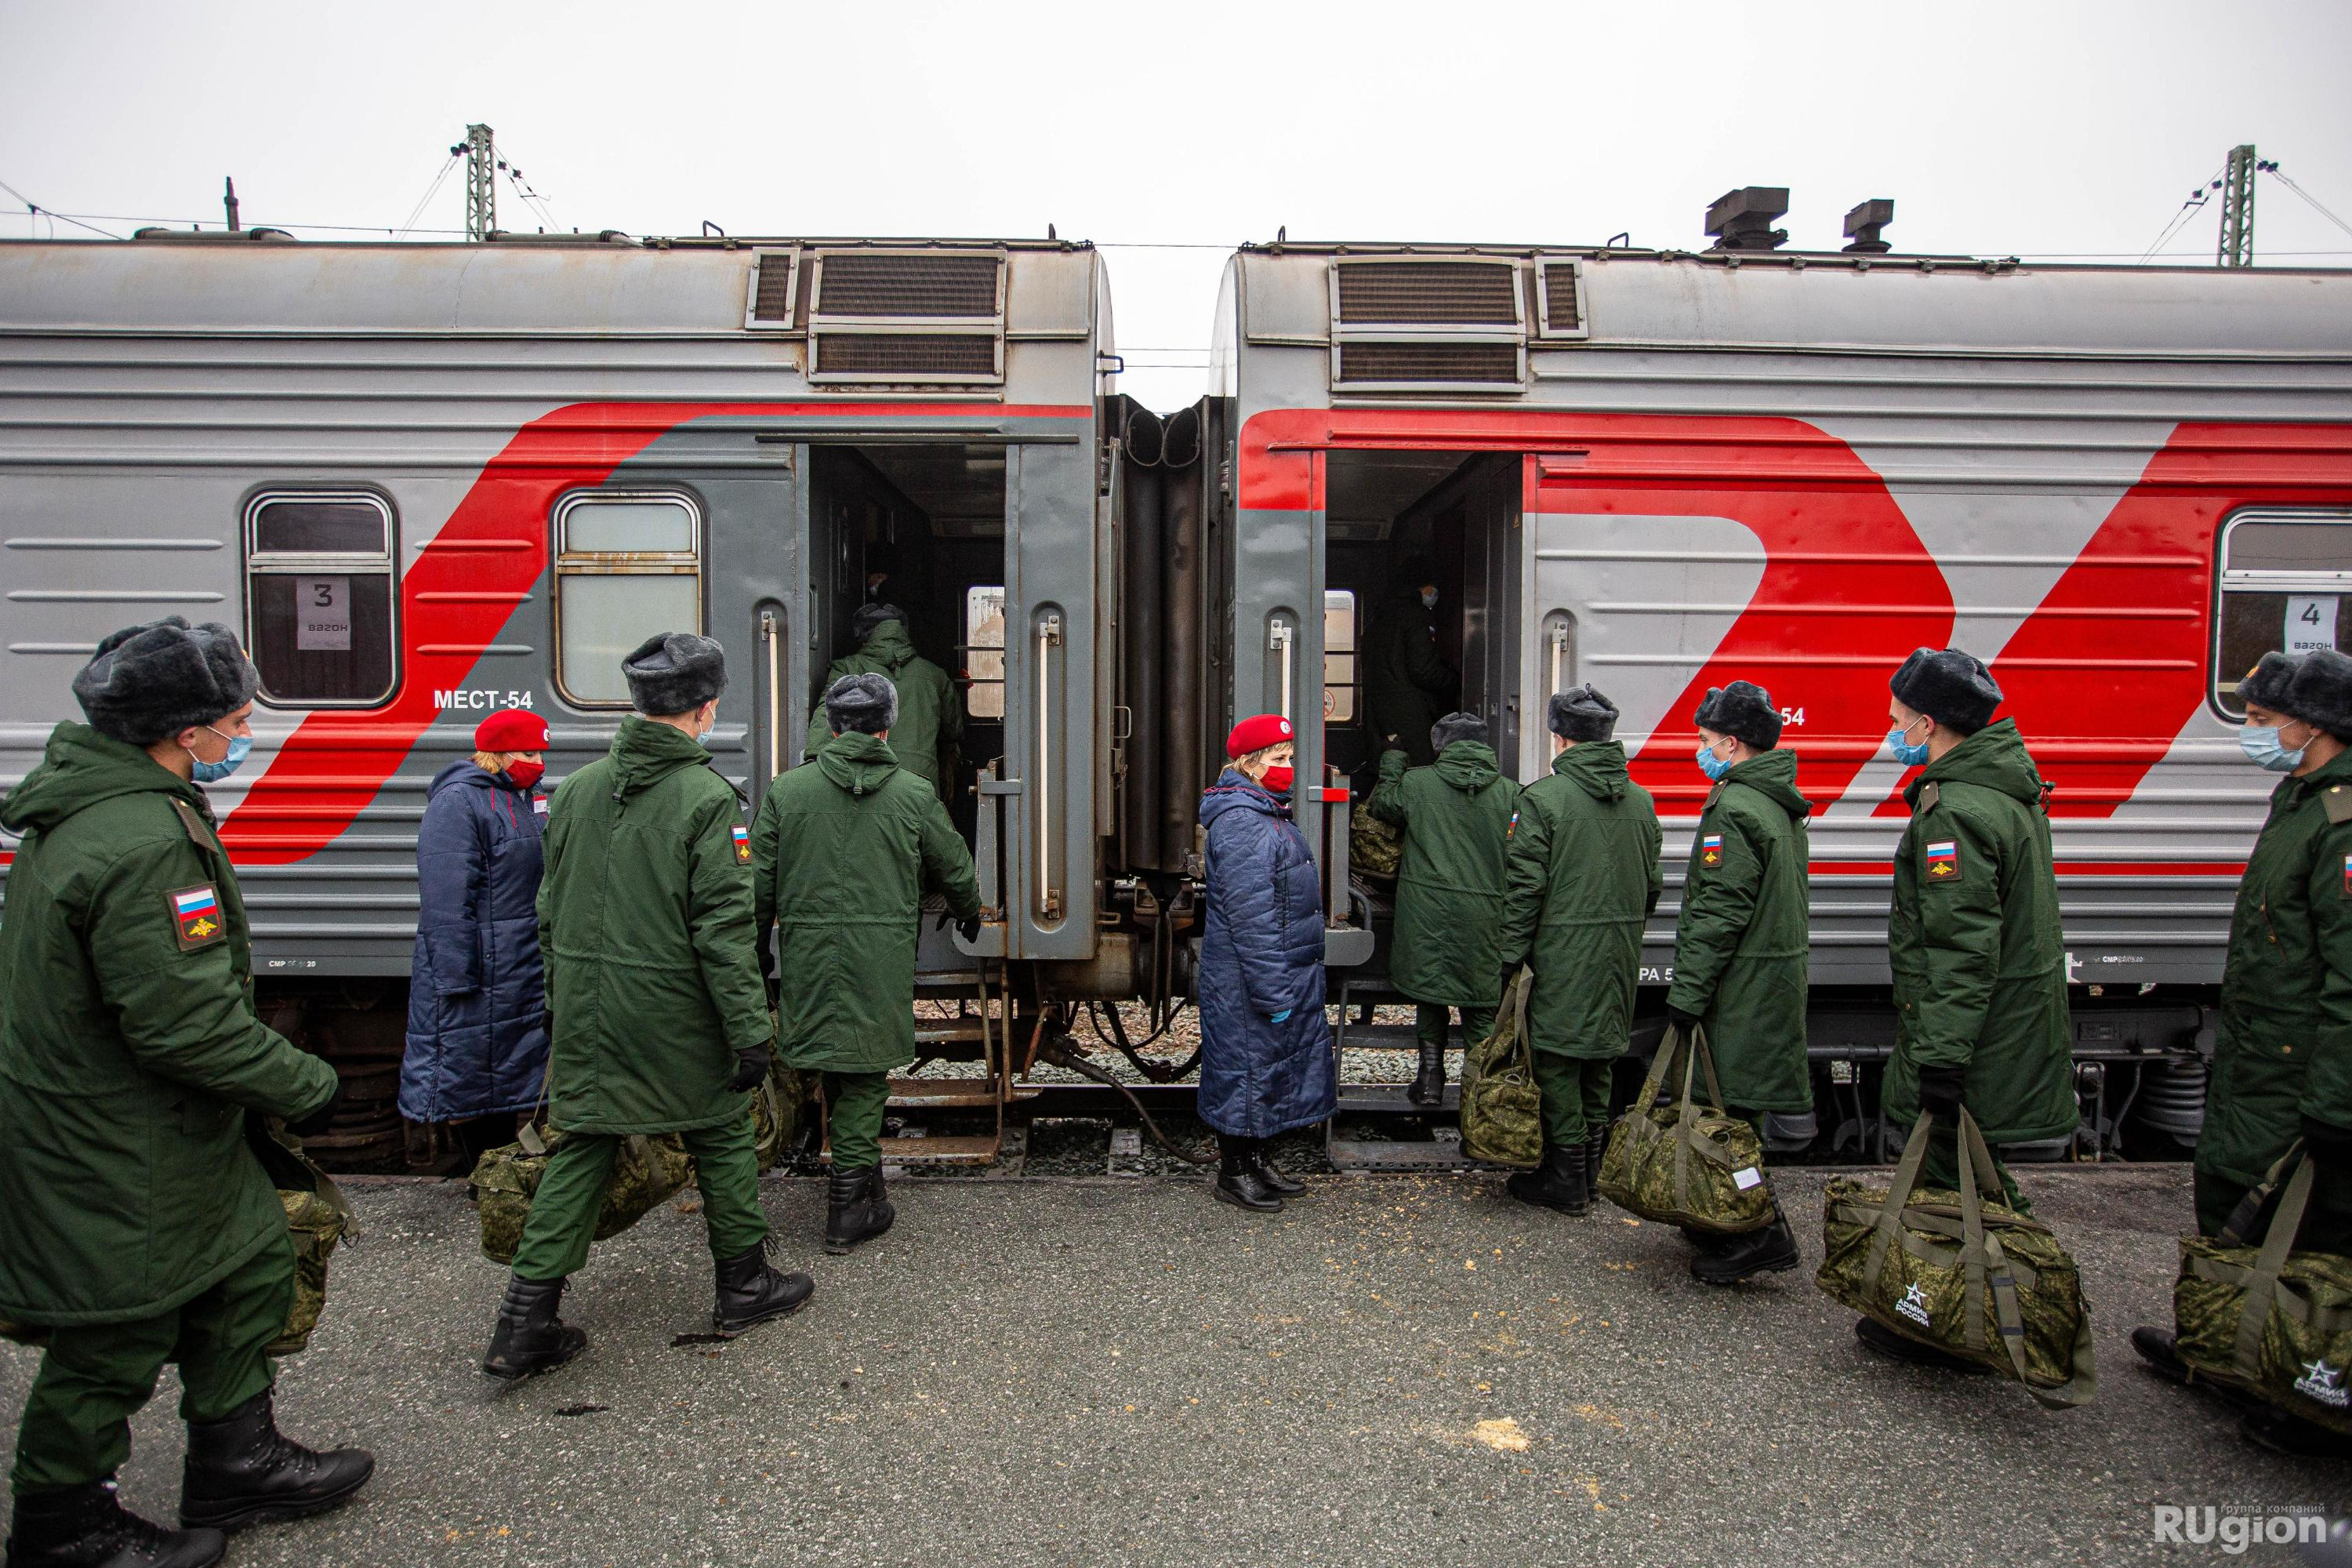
461, 592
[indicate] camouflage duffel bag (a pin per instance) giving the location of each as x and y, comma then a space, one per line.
2273, 1322
1962, 1272
1502, 1111
318, 1217
1375, 849
646, 1169
1684, 1163
777, 1106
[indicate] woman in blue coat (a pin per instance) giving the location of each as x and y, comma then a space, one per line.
477, 994
1266, 1046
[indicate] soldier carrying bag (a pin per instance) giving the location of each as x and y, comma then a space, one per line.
2271, 1321
646, 1169
1962, 1272
1682, 1163
1502, 1109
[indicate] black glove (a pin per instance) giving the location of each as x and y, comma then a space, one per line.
1939, 1093
312, 1125
1682, 1021
968, 927
751, 1066
2329, 1146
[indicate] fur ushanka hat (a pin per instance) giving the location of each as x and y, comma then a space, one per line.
1742, 711
1581, 713
675, 672
149, 682
1952, 687
861, 704
1456, 727
2321, 692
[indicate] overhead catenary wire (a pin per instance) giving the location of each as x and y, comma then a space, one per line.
423, 201
2316, 205
35, 207
2188, 209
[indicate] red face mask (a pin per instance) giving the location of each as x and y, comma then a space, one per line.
1276, 780
526, 774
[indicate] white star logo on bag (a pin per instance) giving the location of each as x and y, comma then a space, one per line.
2322, 1382
1913, 1305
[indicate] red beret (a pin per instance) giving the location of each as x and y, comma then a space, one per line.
512, 730
1255, 734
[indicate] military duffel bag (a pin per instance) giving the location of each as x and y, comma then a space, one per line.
2271, 1321
1502, 1109
317, 1217
1375, 849
778, 1103
646, 1169
1962, 1272
1684, 1163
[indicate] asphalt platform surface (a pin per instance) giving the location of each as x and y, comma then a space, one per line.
1406, 1370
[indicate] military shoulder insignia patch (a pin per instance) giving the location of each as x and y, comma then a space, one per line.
1511, 827
742, 836
2347, 876
196, 917
1710, 849
1944, 860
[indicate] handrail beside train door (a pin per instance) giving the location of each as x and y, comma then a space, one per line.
1281, 638
772, 644
1049, 897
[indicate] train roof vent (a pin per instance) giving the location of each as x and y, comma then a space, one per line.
773, 290
907, 316
1431, 323
925, 286
1560, 298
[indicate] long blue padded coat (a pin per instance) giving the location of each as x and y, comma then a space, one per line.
476, 992
1266, 1046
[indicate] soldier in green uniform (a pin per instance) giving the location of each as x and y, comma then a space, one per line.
1455, 817
1978, 959
137, 1225
661, 1019
1741, 944
2282, 1055
931, 713
1408, 685
1581, 877
842, 851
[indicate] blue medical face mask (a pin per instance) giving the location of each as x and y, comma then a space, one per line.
239, 748
1710, 765
1429, 599
1910, 756
2260, 744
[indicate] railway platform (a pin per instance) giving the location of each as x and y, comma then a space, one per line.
1400, 1369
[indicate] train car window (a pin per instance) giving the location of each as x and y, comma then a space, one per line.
984, 639
627, 564
1338, 657
2285, 576
320, 604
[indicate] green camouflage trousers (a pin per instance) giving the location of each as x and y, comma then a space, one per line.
94, 1376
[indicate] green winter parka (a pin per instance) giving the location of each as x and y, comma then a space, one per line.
645, 919
2284, 1049
1581, 876
129, 1052
1457, 817
1408, 685
1742, 942
1974, 940
841, 852
930, 726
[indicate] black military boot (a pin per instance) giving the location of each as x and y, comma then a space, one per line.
855, 1210
241, 1468
1238, 1181
86, 1527
1282, 1186
1429, 1088
1728, 1259
751, 1291
530, 1337
1596, 1145
1563, 1182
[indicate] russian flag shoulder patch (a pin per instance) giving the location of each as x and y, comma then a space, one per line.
1943, 859
742, 836
197, 919
1710, 849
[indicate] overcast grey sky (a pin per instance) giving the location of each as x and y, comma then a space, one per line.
2038, 129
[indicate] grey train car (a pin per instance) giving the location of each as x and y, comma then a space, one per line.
428, 481
1658, 472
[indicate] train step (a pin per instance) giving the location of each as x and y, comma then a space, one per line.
945, 1092
1379, 1037
1441, 1153
970, 1149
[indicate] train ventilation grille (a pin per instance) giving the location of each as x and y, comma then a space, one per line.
907, 356
1429, 294
1451, 364
771, 290
1561, 318
923, 288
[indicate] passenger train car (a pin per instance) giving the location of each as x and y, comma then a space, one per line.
428, 480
